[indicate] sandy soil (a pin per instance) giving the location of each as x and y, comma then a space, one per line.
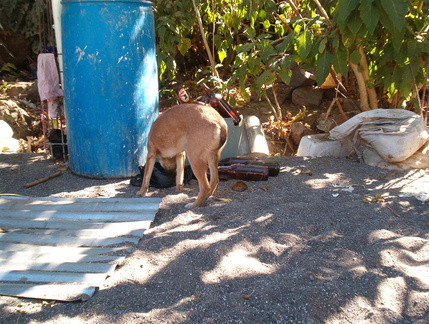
326, 241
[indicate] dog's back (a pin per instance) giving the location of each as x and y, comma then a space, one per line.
187, 127
198, 130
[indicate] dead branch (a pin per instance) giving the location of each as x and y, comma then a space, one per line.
35, 183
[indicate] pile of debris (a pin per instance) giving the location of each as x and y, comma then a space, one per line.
20, 120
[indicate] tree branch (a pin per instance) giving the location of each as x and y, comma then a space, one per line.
206, 44
323, 12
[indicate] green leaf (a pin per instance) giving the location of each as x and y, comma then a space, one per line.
161, 32
262, 15
416, 104
322, 44
340, 61
355, 57
304, 45
411, 48
406, 81
279, 29
268, 54
252, 22
397, 40
354, 23
244, 48
184, 45
285, 62
251, 33
366, 3
267, 77
162, 68
385, 20
344, 9
266, 24
370, 16
396, 11
323, 66
221, 54
264, 36
285, 75
401, 57
271, 78
251, 63
285, 44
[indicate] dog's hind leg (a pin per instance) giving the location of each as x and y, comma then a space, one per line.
213, 162
150, 162
180, 169
199, 168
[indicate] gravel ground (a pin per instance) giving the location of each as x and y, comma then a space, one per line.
326, 241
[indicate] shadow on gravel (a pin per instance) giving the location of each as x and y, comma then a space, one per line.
339, 246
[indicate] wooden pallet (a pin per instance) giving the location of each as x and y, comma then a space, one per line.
64, 248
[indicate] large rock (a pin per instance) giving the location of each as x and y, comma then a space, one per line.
17, 118
301, 77
23, 90
283, 92
307, 96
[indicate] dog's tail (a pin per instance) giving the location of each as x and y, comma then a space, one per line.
223, 136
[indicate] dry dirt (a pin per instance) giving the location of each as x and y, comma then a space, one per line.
326, 241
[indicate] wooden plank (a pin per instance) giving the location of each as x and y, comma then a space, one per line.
12, 222
53, 247
57, 266
45, 215
61, 250
67, 293
65, 240
61, 200
95, 233
80, 204
51, 257
95, 279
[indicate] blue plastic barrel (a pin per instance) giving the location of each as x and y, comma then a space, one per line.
110, 84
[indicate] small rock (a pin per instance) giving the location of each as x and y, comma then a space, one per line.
332, 122
239, 186
298, 131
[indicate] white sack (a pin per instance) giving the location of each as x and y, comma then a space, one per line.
395, 134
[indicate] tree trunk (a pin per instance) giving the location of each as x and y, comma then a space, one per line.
372, 95
363, 94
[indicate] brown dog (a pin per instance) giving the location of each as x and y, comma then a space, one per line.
193, 130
